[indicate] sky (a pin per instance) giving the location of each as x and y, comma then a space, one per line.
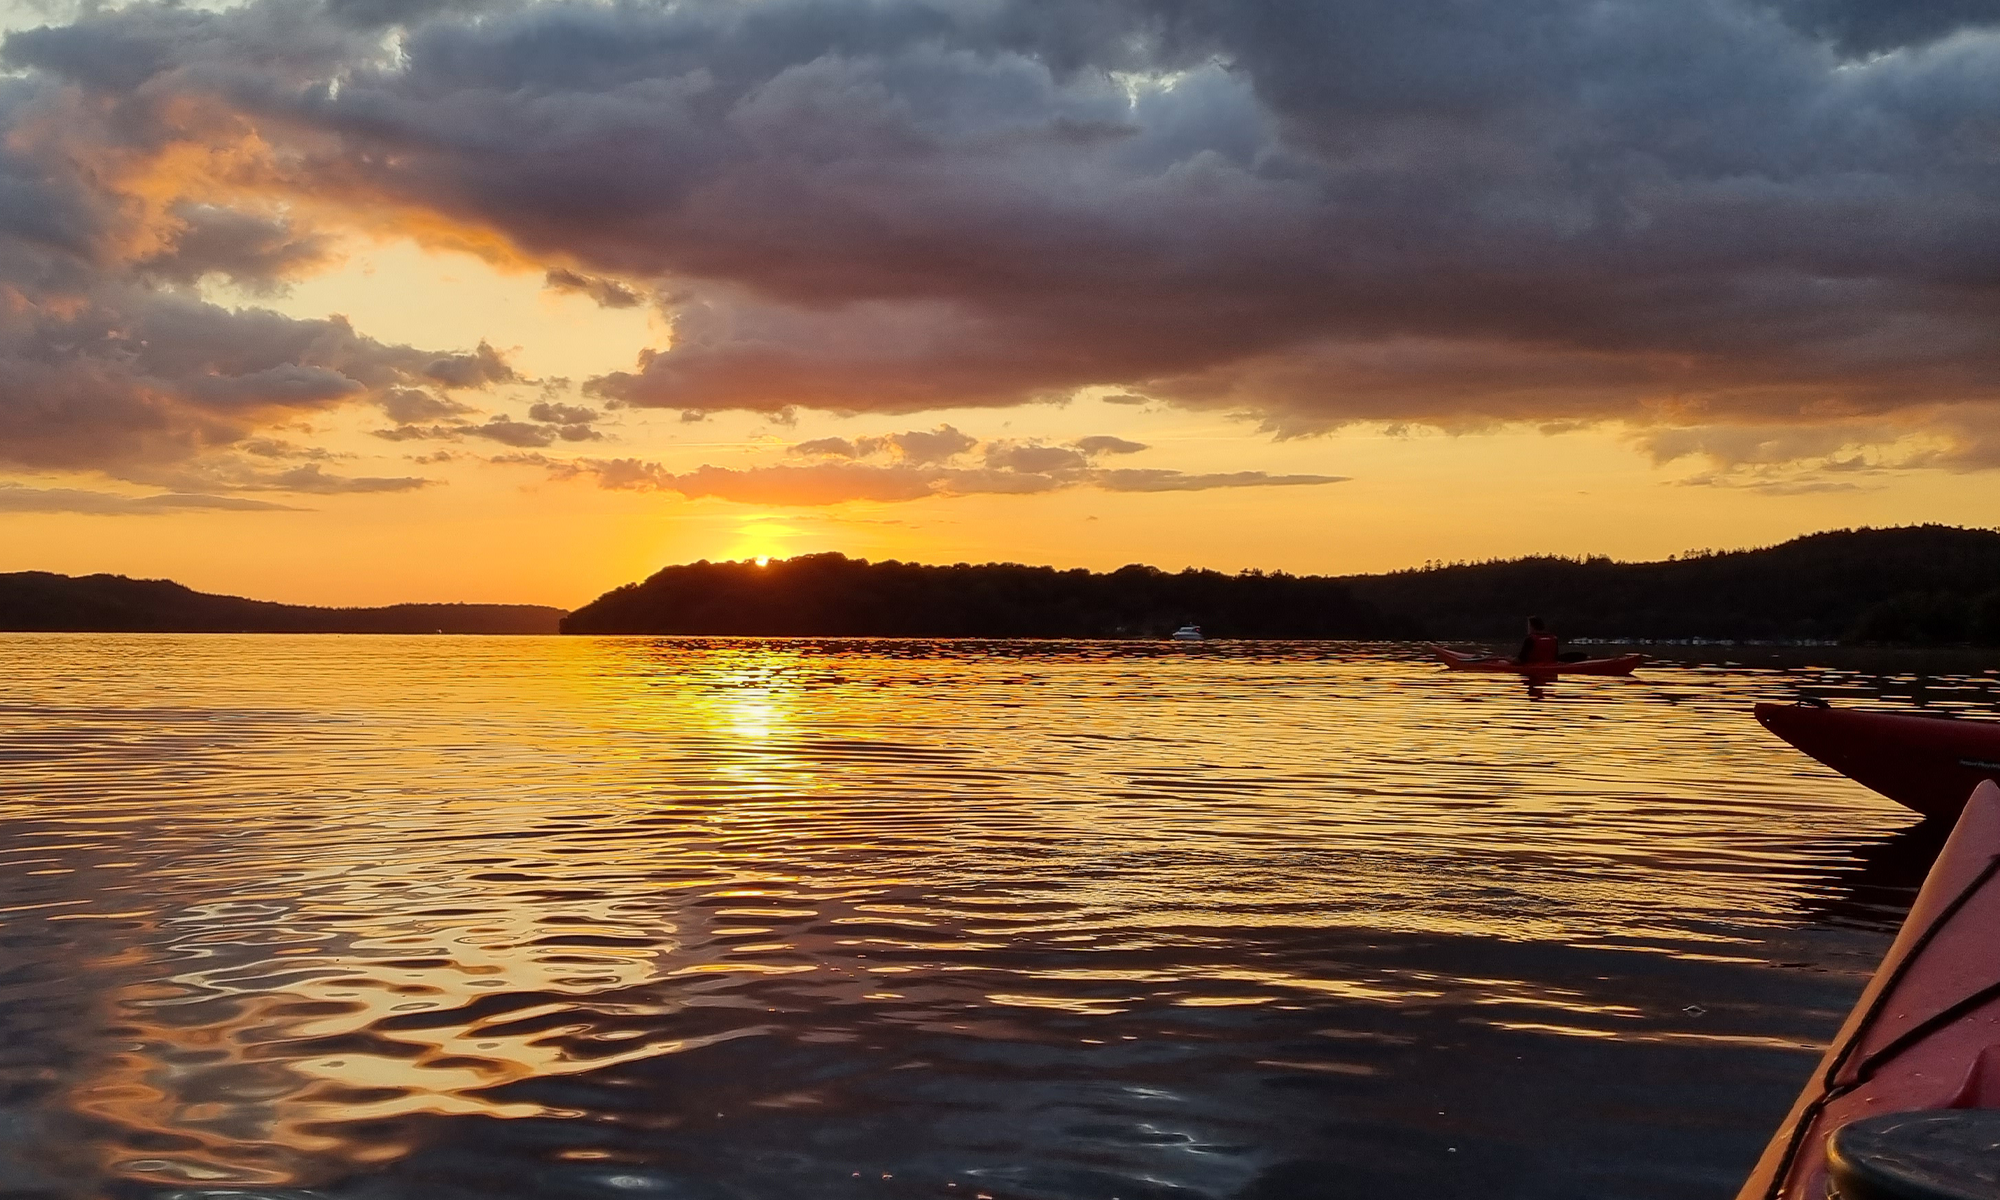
365, 301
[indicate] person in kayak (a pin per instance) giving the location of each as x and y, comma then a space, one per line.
1540, 646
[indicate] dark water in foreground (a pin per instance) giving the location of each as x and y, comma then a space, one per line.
439, 918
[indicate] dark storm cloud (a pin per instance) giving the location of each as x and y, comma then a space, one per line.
1714, 214
1873, 26
371, 13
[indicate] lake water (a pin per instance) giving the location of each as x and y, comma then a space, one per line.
457, 917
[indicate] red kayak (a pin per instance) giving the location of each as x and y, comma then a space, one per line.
1927, 763
1624, 664
1900, 1106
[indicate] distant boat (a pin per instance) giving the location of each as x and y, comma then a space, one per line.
1624, 664
1188, 633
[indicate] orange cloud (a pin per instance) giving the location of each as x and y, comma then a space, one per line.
916, 465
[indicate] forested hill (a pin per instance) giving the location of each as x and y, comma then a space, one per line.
830, 595
38, 600
1918, 584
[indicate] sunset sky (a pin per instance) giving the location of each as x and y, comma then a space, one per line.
360, 301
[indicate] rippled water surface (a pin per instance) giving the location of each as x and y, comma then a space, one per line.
455, 917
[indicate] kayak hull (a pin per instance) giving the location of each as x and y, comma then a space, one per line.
1930, 764
1925, 1035
1623, 664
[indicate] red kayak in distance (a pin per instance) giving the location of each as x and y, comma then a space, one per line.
1927, 763
1623, 664
1896, 1107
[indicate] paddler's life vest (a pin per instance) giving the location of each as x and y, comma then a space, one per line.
1542, 647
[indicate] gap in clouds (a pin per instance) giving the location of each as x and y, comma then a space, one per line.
449, 296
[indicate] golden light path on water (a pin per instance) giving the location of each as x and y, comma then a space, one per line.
384, 917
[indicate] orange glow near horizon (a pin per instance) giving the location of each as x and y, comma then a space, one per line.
565, 543
486, 531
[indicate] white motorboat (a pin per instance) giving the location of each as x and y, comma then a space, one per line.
1187, 633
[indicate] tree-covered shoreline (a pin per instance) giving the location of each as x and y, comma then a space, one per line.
1915, 585
1921, 585
830, 595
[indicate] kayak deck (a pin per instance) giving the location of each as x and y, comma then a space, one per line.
1926, 763
1926, 1032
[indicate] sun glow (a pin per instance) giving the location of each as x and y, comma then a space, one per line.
762, 538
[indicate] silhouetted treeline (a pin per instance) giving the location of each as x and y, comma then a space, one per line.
39, 600
1916, 584
830, 595
1921, 584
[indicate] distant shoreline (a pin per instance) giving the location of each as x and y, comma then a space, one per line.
43, 602
1914, 586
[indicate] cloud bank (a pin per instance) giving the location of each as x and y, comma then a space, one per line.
1718, 215
16, 498
915, 465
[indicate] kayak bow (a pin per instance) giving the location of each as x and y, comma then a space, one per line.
1924, 1040
1927, 763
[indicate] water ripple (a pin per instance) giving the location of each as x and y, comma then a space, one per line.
443, 917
